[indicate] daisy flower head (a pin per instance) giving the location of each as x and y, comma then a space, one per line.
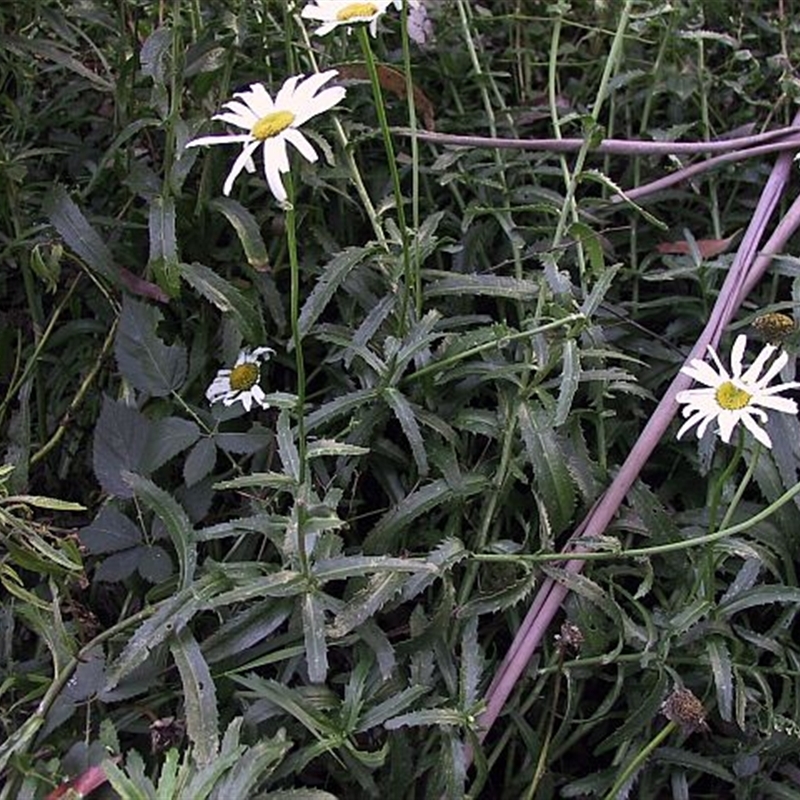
272, 124
240, 384
334, 13
739, 396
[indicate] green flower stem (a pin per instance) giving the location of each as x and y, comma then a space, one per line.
395, 173
645, 552
569, 208
745, 482
412, 125
294, 314
502, 340
641, 757
355, 173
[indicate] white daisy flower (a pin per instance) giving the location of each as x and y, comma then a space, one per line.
740, 396
240, 384
334, 13
273, 124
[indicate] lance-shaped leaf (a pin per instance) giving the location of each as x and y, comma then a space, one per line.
247, 229
164, 260
334, 273
199, 696
550, 474
227, 298
175, 521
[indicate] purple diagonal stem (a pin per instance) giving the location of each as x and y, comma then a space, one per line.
746, 270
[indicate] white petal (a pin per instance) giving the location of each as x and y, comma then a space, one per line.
727, 422
285, 97
259, 100
756, 368
305, 91
703, 372
737, 353
690, 423
272, 172
757, 431
257, 393
775, 368
275, 153
239, 165
783, 404
302, 144
220, 138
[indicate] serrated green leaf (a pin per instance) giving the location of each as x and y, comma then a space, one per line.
175, 520
430, 716
119, 441
493, 602
391, 707
720, 659
550, 474
199, 696
570, 380
384, 535
78, 234
404, 413
287, 449
342, 567
227, 298
761, 596
110, 532
170, 615
257, 762
247, 229
164, 260
346, 404
200, 461
313, 612
288, 699
264, 480
154, 52
246, 629
47, 50
166, 437
145, 361
598, 177
483, 285
333, 274
50, 503
471, 666
330, 447
366, 602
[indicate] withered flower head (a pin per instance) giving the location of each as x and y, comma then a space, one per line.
774, 327
569, 639
683, 708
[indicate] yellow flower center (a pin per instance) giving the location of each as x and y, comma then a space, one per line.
244, 377
354, 10
272, 124
731, 397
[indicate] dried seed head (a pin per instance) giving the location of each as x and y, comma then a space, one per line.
774, 327
683, 707
569, 639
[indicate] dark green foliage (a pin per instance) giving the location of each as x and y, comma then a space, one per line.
312, 602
